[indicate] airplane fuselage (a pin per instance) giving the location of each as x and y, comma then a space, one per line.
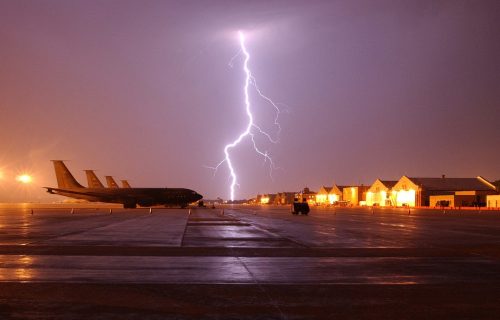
131, 197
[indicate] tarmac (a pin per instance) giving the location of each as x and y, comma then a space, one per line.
247, 262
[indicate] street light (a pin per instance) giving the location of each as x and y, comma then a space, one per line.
24, 178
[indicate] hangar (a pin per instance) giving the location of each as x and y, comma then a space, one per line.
416, 192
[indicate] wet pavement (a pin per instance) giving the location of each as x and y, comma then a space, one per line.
248, 262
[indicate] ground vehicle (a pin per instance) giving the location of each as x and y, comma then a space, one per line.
300, 207
342, 204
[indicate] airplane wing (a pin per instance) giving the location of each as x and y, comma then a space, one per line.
83, 192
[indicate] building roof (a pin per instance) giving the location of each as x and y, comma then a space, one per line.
452, 184
361, 187
388, 183
306, 190
286, 193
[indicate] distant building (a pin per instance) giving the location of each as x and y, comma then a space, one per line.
335, 194
258, 199
465, 191
267, 198
322, 195
284, 198
379, 193
306, 196
329, 195
240, 201
355, 195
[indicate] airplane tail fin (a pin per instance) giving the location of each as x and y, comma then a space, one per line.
125, 184
92, 180
65, 179
111, 182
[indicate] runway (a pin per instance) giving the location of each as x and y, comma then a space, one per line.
248, 262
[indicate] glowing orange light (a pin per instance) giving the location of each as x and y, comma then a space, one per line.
24, 178
264, 200
333, 198
321, 198
405, 197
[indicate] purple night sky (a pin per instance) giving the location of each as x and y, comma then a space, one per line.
143, 90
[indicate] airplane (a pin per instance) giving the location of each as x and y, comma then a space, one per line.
125, 184
68, 186
92, 180
111, 182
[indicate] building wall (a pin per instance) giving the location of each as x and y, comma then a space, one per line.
378, 198
378, 194
307, 196
466, 200
463, 198
482, 196
322, 196
258, 198
460, 199
333, 197
406, 198
434, 200
406, 193
354, 194
265, 199
328, 196
493, 201
284, 198
350, 194
335, 194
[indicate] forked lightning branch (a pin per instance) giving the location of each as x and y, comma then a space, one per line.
251, 129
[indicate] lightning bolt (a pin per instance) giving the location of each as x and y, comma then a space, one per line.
252, 128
